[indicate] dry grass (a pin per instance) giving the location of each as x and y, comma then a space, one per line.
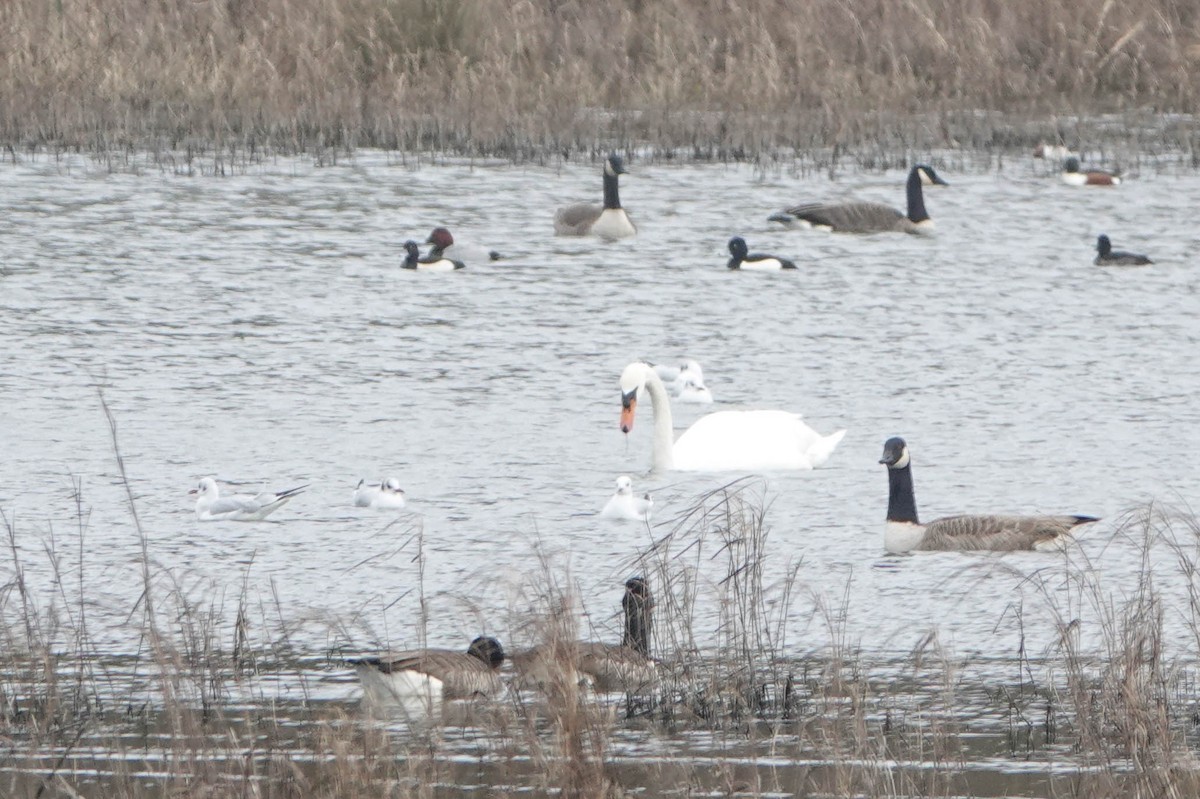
524, 79
189, 707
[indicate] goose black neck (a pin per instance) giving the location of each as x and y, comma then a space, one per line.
611, 200
916, 198
902, 503
637, 622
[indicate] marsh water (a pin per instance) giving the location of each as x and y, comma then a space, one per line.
255, 326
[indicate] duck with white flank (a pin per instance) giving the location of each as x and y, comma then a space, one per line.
904, 532
1073, 176
427, 676
1107, 256
625, 667
624, 505
444, 247
431, 263
742, 259
725, 440
861, 217
212, 507
608, 221
385, 495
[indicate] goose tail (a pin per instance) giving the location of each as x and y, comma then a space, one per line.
823, 447
783, 217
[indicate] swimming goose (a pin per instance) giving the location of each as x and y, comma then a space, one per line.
1072, 176
725, 440
386, 495
861, 217
904, 532
1110, 257
625, 667
432, 674
754, 263
433, 263
608, 221
212, 507
443, 242
624, 505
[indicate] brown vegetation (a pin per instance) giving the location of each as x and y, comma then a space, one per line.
533, 76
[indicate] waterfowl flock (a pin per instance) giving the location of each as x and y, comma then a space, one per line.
721, 441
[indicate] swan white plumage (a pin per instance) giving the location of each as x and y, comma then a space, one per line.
726, 440
387, 495
624, 505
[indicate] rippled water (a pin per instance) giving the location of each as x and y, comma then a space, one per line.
256, 327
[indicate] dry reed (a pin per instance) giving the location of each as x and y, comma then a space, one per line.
539, 77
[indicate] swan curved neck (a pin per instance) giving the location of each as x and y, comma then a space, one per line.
664, 425
611, 199
902, 502
916, 198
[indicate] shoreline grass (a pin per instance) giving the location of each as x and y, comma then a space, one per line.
550, 78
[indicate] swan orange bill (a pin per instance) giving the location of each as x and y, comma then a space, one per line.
628, 405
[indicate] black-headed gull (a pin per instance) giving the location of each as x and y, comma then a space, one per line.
624, 505
386, 495
212, 507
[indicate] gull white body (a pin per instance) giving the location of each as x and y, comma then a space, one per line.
625, 505
386, 495
212, 507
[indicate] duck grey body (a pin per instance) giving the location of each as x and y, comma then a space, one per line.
460, 674
904, 531
1107, 256
608, 221
862, 217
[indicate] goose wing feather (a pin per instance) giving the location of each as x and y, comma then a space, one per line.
997, 532
615, 668
577, 219
461, 675
851, 217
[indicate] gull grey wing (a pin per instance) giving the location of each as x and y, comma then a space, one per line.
233, 504
969, 532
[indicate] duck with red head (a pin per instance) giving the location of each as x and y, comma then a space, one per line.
443, 245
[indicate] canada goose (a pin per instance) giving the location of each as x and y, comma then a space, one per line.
624, 505
904, 532
212, 507
386, 495
757, 262
860, 217
608, 221
1072, 175
444, 247
624, 667
432, 674
1109, 257
433, 263
725, 440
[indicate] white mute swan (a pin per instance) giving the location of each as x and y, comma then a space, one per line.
624, 505
725, 440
